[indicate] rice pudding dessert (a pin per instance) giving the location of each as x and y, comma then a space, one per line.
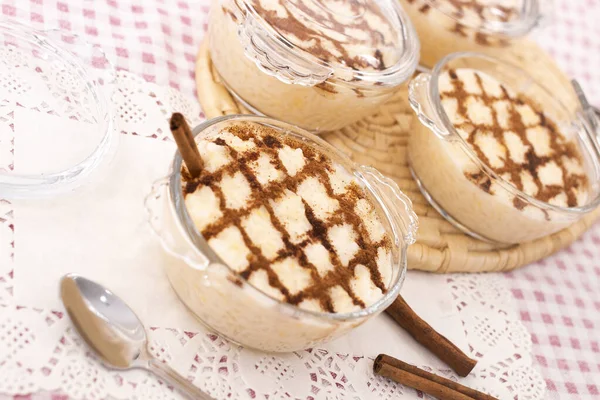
290, 222
513, 137
448, 26
299, 252
318, 64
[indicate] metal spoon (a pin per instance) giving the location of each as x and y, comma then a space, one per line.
114, 332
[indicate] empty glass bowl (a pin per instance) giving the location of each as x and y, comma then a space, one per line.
56, 126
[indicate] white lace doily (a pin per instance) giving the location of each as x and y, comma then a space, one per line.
39, 350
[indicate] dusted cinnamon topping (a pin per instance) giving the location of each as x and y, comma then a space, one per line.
473, 11
354, 33
289, 220
473, 14
513, 137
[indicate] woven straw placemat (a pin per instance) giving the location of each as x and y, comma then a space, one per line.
380, 140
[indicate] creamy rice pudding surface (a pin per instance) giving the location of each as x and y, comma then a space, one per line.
293, 224
342, 58
512, 136
448, 26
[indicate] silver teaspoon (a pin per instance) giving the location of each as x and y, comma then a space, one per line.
114, 332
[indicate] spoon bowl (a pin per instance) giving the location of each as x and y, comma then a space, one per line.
104, 321
113, 330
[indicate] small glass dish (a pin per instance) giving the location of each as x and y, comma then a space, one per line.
446, 26
463, 187
229, 304
63, 84
322, 66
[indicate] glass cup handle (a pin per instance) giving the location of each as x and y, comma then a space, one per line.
420, 102
589, 116
398, 206
163, 225
276, 60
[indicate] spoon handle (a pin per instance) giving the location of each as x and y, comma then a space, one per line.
168, 374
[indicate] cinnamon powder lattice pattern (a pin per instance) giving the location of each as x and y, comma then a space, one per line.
541, 143
264, 195
471, 14
331, 37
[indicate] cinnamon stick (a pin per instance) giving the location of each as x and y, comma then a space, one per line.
185, 143
434, 385
423, 333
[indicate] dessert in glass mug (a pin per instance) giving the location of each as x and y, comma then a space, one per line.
497, 154
281, 242
317, 64
449, 26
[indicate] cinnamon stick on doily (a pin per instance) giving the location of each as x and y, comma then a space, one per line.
185, 143
416, 378
423, 333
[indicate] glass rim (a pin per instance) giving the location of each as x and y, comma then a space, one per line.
530, 16
434, 97
392, 76
184, 220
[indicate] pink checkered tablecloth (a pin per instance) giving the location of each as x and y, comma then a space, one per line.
558, 298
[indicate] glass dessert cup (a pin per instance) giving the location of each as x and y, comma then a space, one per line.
496, 210
444, 29
54, 73
227, 303
274, 76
